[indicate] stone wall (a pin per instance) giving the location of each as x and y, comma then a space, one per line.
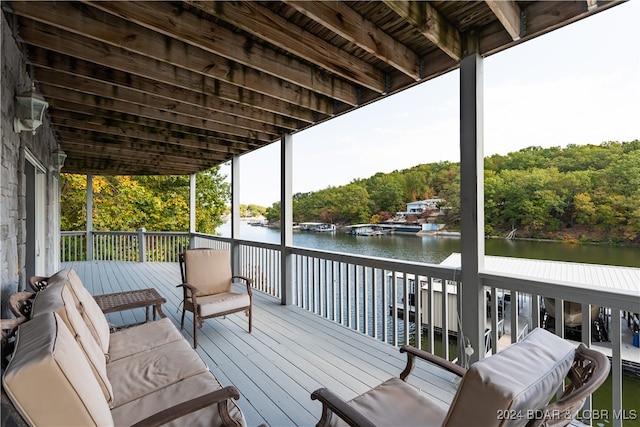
14, 147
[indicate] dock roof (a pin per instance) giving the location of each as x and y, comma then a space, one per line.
623, 280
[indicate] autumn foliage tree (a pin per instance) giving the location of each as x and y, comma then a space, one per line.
157, 203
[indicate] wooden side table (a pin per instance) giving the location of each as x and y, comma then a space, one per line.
141, 298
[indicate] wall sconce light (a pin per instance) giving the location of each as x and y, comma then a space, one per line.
31, 107
59, 157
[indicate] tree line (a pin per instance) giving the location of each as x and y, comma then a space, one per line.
157, 203
580, 192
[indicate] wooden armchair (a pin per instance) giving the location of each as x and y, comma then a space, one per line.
207, 282
513, 387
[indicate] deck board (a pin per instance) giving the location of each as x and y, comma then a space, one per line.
290, 353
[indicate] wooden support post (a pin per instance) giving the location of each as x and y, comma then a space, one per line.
142, 244
286, 219
192, 208
472, 203
235, 214
89, 235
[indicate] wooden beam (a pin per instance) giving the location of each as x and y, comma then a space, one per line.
343, 20
204, 118
426, 19
508, 13
175, 141
180, 136
214, 100
142, 52
278, 31
83, 163
175, 21
542, 17
127, 62
129, 153
64, 110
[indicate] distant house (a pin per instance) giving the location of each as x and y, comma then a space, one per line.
420, 206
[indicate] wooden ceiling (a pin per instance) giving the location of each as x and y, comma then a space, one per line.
156, 87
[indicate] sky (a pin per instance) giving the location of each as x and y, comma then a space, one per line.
576, 85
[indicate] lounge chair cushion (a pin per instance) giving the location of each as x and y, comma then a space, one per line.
145, 372
57, 298
88, 307
201, 263
396, 403
501, 389
189, 388
146, 336
221, 303
48, 359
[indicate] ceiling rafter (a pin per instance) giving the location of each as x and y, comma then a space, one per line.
209, 117
96, 52
218, 42
114, 163
508, 13
182, 64
148, 130
66, 109
175, 87
435, 27
261, 22
343, 20
210, 105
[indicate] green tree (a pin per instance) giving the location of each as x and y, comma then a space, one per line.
158, 203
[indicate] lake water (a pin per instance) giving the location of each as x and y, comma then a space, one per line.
434, 250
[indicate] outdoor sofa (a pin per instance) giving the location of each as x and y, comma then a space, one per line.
68, 369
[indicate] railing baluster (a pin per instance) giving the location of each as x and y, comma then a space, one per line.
340, 286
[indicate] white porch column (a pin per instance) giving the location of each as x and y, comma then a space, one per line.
235, 214
286, 218
89, 217
472, 201
192, 207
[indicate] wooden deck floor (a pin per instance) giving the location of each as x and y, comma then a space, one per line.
289, 354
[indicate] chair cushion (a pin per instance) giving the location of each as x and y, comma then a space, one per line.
212, 305
182, 391
49, 380
209, 270
57, 298
142, 373
142, 337
500, 389
396, 403
91, 312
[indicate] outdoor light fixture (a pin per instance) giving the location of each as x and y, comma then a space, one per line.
59, 157
31, 107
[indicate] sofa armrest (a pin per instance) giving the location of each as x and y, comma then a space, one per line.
413, 352
332, 404
219, 397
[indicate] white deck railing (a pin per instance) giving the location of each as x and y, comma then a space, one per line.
369, 294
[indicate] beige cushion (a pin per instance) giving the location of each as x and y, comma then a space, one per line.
142, 338
209, 270
49, 380
91, 312
221, 303
396, 403
182, 391
57, 298
142, 373
522, 377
